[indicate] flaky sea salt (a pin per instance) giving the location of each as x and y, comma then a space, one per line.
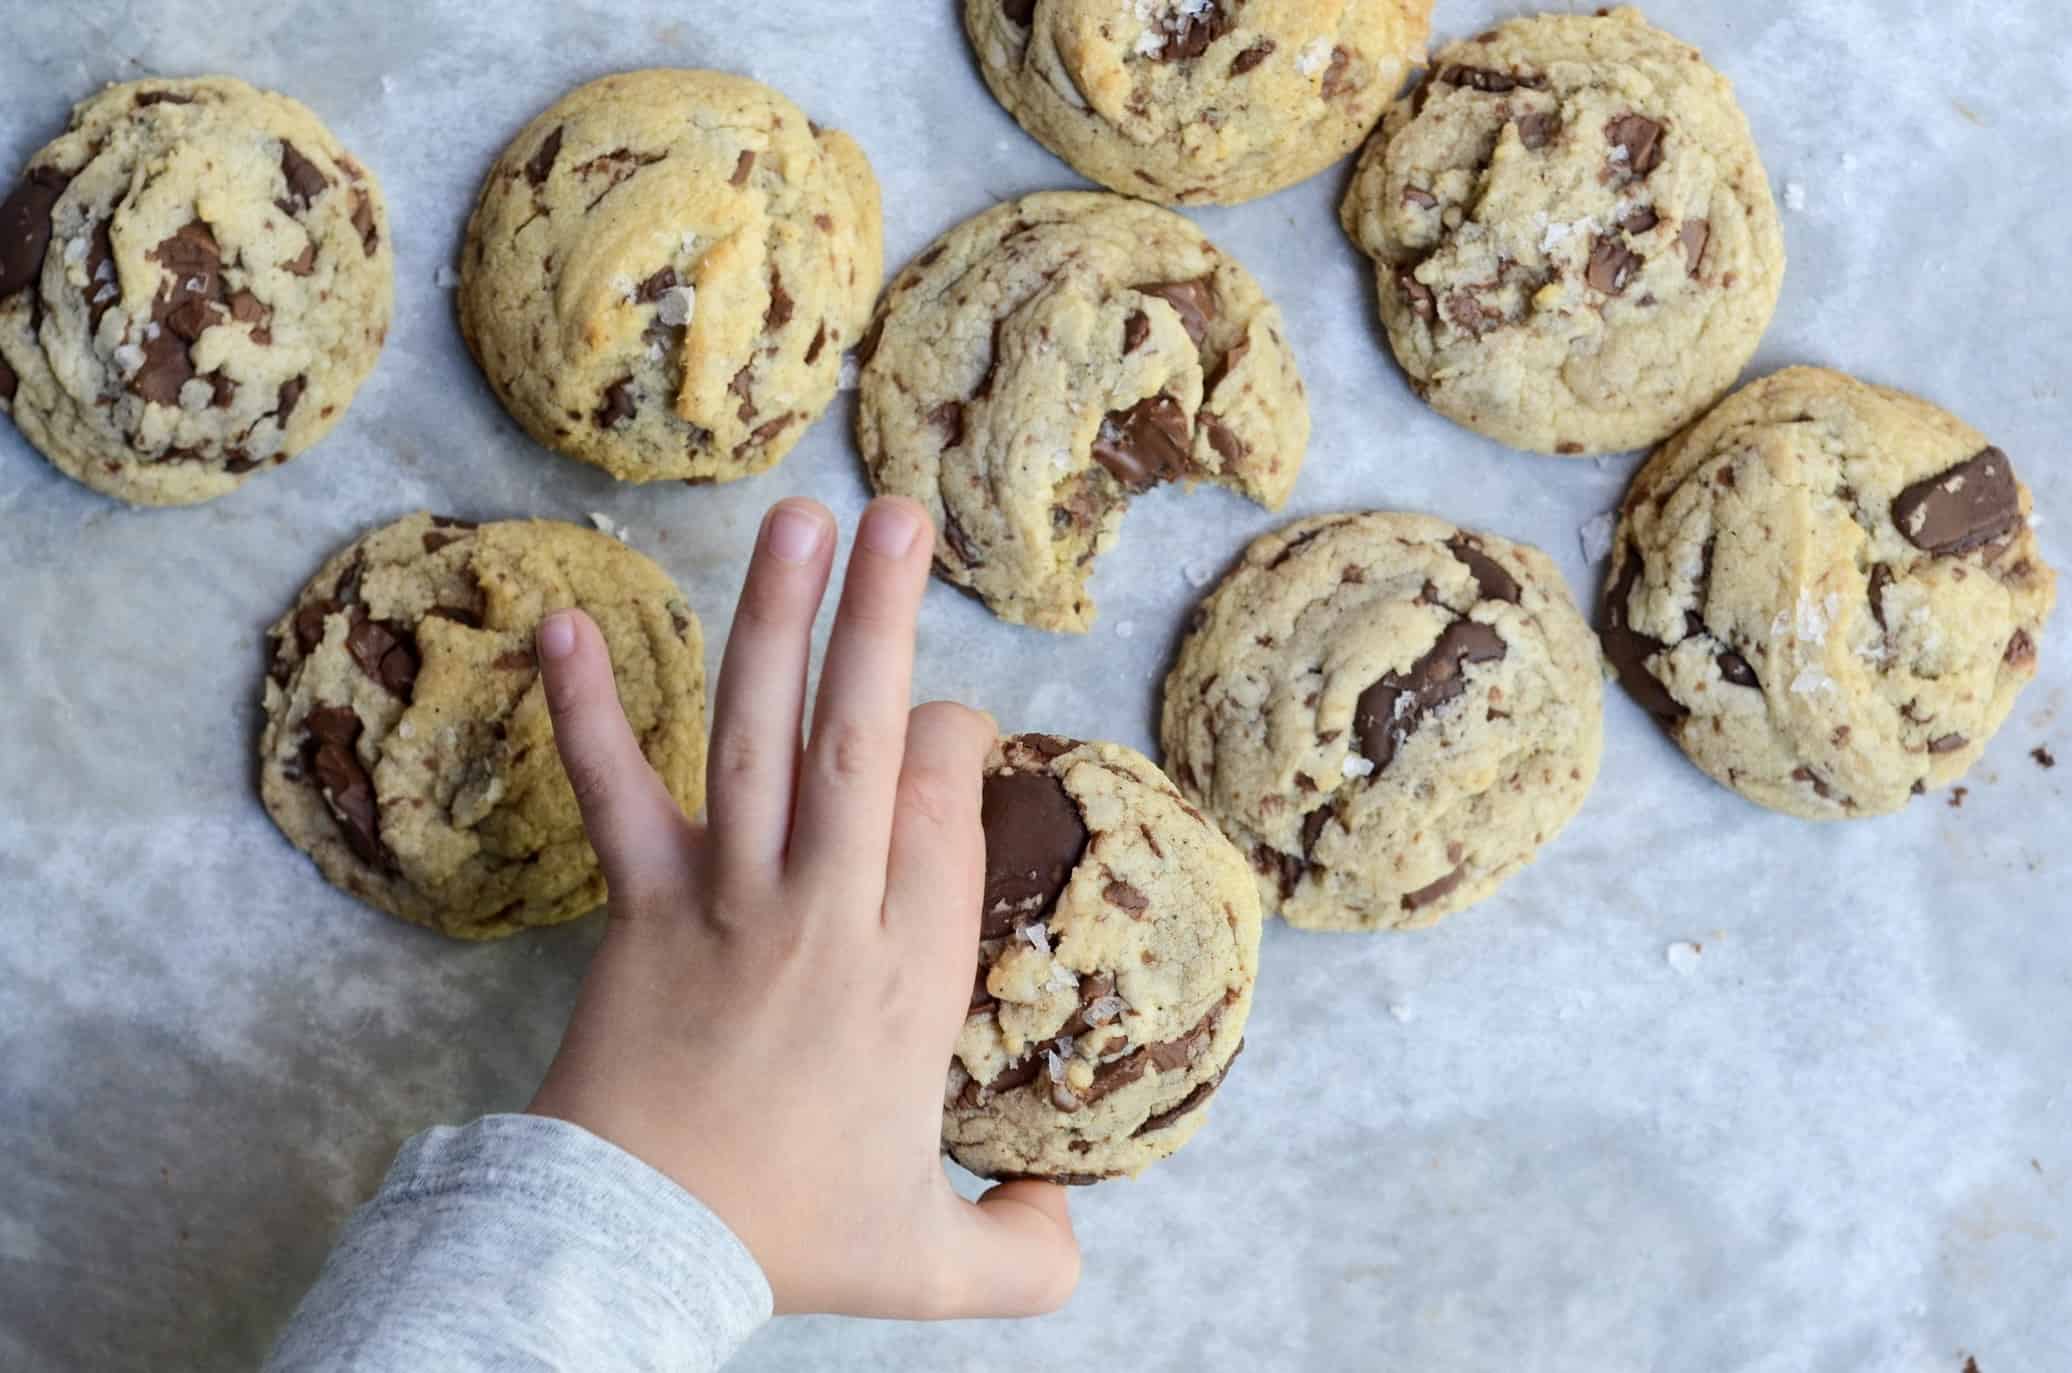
1794, 195
129, 357
1038, 937
1684, 957
1103, 1009
75, 250
605, 526
1314, 58
1356, 766
1811, 682
676, 306
1596, 536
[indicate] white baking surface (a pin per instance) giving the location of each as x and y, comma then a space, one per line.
1705, 1088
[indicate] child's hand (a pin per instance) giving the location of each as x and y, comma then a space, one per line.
771, 1015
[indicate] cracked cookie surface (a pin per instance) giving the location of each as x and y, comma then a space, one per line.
1190, 102
407, 746
663, 271
1118, 947
1575, 246
194, 281
1388, 714
1829, 593
1043, 362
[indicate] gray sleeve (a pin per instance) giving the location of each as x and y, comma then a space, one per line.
519, 1242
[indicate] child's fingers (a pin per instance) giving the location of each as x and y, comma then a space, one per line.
632, 820
1016, 1252
762, 687
938, 859
844, 818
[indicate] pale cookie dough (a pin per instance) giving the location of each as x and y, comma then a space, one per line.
1191, 102
407, 745
1118, 947
1391, 715
1829, 593
1574, 242
194, 280
663, 271
1043, 362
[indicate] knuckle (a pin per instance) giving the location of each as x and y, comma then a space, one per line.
848, 752
735, 756
935, 798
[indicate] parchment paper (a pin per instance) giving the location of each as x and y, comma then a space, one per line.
1834, 1137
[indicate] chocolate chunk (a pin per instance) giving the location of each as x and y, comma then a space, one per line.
1735, 669
1034, 839
194, 263
1313, 828
1020, 11
459, 615
1110, 1078
100, 271
25, 227
303, 263
1188, 36
1146, 444
650, 291
305, 182
744, 165
1224, 366
819, 342
1194, 300
1391, 710
149, 98
246, 308
167, 367
1947, 743
1815, 781
1640, 219
1188, 1048
1536, 131
542, 161
332, 760
222, 390
363, 222
1881, 581
1438, 891
289, 397
2021, 650
1629, 649
1967, 507
1135, 330
1250, 57
1694, 235
779, 313
1188, 1103
949, 418
436, 539
617, 406
1467, 312
1285, 868
1492, 82
238, 462
1641, 137
1417, 295
386, 652
1495, 583
1223, 439
309, 625
1017, 1075
9, 382
1125, 897
1612, 265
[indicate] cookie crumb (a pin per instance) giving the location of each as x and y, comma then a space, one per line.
2044, 757
676, 306
1684, 957
1957, 795
1314, 57
1596, 536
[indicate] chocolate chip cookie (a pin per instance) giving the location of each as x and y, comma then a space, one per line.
1040, 364
1829, 593
663, 271
1118, 946
1193, 102
407, 745
1574, 241
1391, 715
194, 280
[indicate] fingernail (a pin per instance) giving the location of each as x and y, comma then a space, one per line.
558, 635
889, 529
794, 535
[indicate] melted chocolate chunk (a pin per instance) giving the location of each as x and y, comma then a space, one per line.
305, 181
1612, 265
959, 540
332, 761
617, 405
386, 652
1438, 891
779, 313
1536, 131
1947, 743
1251, 57
1195, 301
1135, 330
1188, 36
167, 367
1189, 1103
1123, 896
650, 291
309, 625
1034, 839
1881, 581
1495, 583
1641, 137
744, 167
1694, 235
1417, 295
1146, 444
1735, 669
1391, 710
542, 162
25, 227
1492, 82
949, 418
1640, 219
1967, 507
1630, 650
303, 263
290, 395
9, 382
1313, 828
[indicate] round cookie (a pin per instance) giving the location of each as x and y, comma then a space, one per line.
1118, 947
1194, 102
408, 748
1043, 362
1829, 594
663, 271
1391, 715
194, 280
1574, 242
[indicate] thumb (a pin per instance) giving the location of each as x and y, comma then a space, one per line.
632, 820
1015, 1252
